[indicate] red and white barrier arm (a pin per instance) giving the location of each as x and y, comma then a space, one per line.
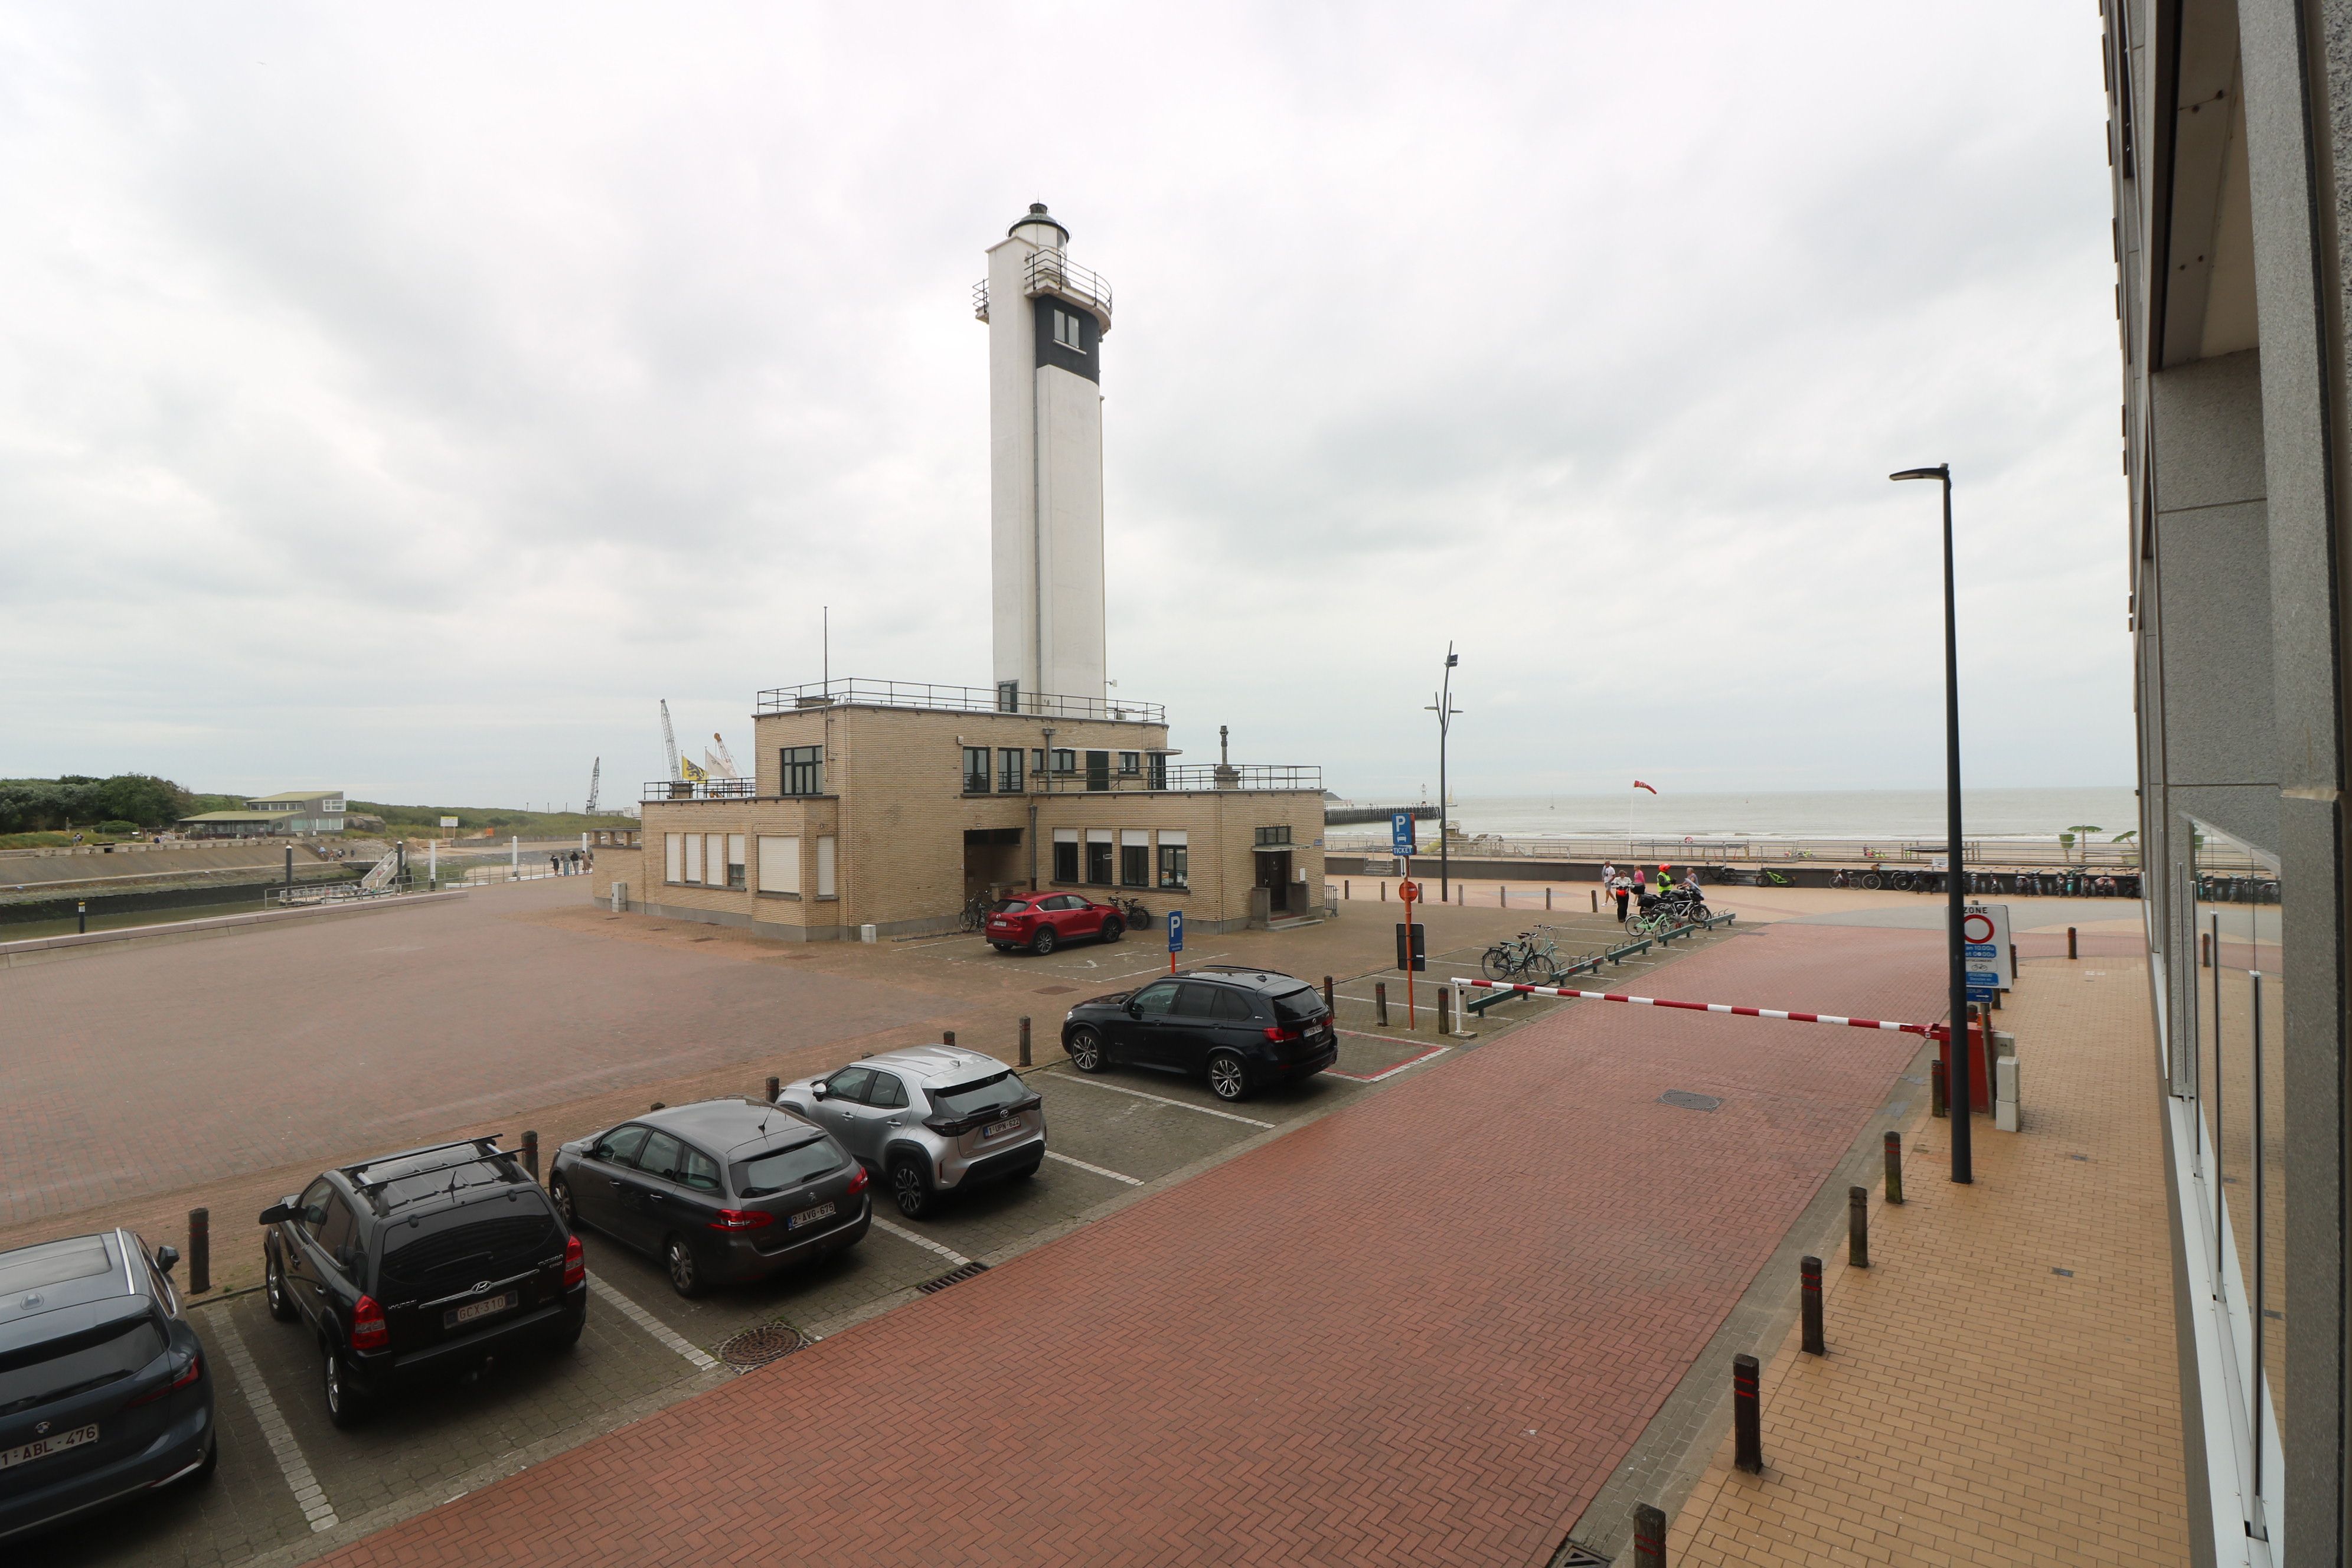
1934, 1030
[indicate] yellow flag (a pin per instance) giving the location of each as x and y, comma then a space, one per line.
689, 773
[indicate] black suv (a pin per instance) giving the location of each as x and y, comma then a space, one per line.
104, 1388
427, 1260
1241, 1028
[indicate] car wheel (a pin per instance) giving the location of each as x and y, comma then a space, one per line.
561, 1191
1045, 942
1228, 1077
1113, 929
343, 1402
1086, 1051
282, 1300
911, 1186
685, 1275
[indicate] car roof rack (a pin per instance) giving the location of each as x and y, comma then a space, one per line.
486, 1147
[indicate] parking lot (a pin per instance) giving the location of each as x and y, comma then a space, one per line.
291, 1486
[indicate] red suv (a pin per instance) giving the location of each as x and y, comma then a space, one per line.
1043, 921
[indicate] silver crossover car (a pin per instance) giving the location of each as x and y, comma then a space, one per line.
930, 1119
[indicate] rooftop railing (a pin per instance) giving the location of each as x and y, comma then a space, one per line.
699, 789
852, 691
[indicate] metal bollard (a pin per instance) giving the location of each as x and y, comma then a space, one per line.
1857, 1228
1808, 1270
2070, 941
775, 1087
81, 916
1649, 1536
947, 1036
1546, 900
1329, 1006
1445, 1010
1596, 900
1502, 897
530, 1154
1384, 893
200, 1251
1381, 1002
1746, 1415
1939, 1101
1894, 1167
1347, 889
2204, 950
1024, 1039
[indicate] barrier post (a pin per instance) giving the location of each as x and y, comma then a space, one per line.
81, 917
1347, 889
947, 1036
1384, 893
1024, 1039
1596, 899
1329, 1006
1938, 1104
1809, 1269
530, 1154
1445, 1009
1649, 1536
1746, 1415
775, 1087
200, 1251
1381, 1002
1857, 1228
1893, 1166
2070, 941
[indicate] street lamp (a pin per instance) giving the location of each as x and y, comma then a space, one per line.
1963, 1160
1445, 711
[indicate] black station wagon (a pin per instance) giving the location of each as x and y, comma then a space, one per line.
1240, 1029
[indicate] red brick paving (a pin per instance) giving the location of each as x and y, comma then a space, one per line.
1422, 1330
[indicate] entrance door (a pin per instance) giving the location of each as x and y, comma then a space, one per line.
1273, 876
1098, 770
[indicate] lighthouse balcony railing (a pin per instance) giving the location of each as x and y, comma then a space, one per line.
1051, 272
863, 693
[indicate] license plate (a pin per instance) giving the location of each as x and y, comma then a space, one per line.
809, 1216
473, 1309
42, 1448
998, 1129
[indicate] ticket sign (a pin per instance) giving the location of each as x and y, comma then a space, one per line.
1400, 837
1984, 947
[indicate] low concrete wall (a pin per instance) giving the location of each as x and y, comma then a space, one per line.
79, 945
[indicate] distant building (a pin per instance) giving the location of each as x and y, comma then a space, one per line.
272, 816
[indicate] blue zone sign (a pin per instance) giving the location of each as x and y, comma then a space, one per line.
1400, 834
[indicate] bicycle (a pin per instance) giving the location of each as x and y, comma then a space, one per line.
1520, 955
1655, 921
1138, 917
974, 915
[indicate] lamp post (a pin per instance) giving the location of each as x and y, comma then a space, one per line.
1445, 711
1963, 1160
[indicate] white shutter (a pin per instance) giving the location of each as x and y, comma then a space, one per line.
694, 857
672, 851
824, 866
714, 859
1173, 835
1065, 835
734, 856
1099, 836
1134, 838
780, 864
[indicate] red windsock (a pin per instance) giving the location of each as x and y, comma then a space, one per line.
1639, 784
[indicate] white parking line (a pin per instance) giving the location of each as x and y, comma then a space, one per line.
1162, 1098
662, 1332
1375, 1077
1097, 1170
309, 1496
903, 1234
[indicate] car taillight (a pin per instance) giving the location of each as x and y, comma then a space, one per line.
857, 1183
575, 1262
188, 1374
369, 1331
1279, 1034
742, 1219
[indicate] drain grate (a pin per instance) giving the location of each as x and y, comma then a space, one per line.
930, 1286
1690, 1102
759, 1346
1571, 1556
1054, 990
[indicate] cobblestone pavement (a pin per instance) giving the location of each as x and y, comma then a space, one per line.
2001, 1384
1422, 1329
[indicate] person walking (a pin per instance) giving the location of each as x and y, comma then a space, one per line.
1609, 873
1621, 889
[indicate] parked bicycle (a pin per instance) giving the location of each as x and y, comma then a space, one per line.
974, 915
1526, 957
1138, 917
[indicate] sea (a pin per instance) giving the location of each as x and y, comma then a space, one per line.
1770, 815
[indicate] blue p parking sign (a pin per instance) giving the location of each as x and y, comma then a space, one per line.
1400, 834
1175, 931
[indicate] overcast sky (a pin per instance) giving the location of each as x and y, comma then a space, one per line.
403, 399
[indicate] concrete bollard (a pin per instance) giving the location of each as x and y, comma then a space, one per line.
530, 1154
1445, 1009
1894, 1167
1746, 1415
775, 1087
1938, 1103
200, 1251
1329, 1006
1649, 1536
1024, 1039
1857, 1228
1381, 1002
2070, 941
1809, 1272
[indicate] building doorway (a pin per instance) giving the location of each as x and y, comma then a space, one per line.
1273, 876
991, 861
1097, 770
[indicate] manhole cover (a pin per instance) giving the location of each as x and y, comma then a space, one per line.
1575, 1556
930, 1287
759, 1346
1055, 990
1690, 1102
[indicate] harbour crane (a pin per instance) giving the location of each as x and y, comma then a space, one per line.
722, 761
595, 777
669, 741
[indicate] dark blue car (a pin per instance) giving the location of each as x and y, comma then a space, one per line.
104, 1391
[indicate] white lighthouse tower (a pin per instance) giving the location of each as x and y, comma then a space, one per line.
1046, 318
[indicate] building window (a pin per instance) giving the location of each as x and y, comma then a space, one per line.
694, 857
803, 770
780, 864
1008, 697
1099, 850
824, 866
1036, 759
975, 770
1129, 763
1158, 779
1008, 770
673, 857
1274, 837
735, 878
1065, 331
1134, 859
1175, 861
1064, 760
1065, 853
